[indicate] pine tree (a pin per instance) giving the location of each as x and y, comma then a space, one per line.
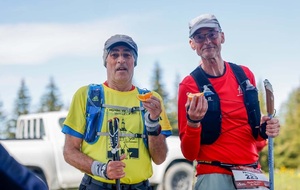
21, 107
157, 84
173, 106
23, 100
170, 103
50, 100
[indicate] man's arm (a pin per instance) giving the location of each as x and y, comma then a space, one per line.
74, 156
157, 144
158, 148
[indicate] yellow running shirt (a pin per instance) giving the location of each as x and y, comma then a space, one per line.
138, 162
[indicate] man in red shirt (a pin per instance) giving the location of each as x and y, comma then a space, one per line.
231, 143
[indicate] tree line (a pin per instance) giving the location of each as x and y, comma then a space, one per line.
286, 145
50, 101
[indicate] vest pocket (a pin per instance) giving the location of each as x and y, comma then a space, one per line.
253, 110
211, 123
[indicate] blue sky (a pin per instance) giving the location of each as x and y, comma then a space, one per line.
64, 40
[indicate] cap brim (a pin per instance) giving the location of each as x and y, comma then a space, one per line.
204, 25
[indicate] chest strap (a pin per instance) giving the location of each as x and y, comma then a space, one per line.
128, 109
123, 135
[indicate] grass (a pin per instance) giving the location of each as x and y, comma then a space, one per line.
286, 179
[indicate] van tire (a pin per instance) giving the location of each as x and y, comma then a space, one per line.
179, 176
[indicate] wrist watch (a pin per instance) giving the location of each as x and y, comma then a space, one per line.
156, 132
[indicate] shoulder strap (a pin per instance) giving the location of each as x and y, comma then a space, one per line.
94, 112
239, 75
250, 98
201, 79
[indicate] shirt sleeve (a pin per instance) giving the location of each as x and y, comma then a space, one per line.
189, 136
75, 121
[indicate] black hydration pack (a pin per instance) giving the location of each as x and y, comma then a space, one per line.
211, 123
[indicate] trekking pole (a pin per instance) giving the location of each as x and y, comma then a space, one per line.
114, 141
270, 111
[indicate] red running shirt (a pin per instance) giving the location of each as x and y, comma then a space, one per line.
235, 145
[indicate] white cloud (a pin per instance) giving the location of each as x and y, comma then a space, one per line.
35, 43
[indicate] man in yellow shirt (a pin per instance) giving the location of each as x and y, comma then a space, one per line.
142, 125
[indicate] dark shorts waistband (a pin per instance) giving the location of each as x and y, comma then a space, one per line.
226, 165
88, 180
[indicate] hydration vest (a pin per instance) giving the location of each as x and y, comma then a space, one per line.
95, 108
211, 123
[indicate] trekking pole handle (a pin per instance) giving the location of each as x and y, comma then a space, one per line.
269, 98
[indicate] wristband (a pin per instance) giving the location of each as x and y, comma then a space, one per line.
191, 120
156, 132
151, 125
99, 169
151, 120
188, 117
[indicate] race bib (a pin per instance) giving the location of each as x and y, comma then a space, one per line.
249, 178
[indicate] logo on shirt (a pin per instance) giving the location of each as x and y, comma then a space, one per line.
240, 92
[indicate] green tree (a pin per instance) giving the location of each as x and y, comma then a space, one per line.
173, 106
170, 103
158, 85
50, 101
22, 103
21, 107
288, 150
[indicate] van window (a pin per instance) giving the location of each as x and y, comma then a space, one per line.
21, 129
35, 132
27, 136
42, 128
